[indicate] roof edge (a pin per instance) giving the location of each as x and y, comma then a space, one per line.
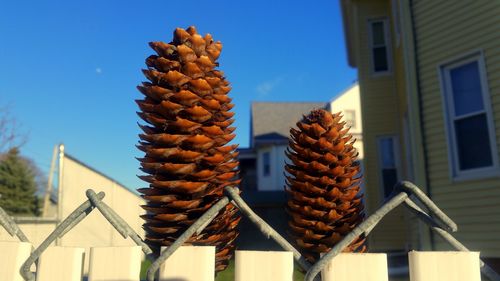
345, 91
345, 7
100, 173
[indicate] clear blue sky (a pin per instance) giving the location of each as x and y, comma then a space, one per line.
69, 68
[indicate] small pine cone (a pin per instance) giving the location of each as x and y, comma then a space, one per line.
187, 156
323, 185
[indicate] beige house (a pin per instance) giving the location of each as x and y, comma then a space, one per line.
95, 230
75, 178
348, 102
429, 74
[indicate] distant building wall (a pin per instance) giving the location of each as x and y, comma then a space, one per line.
270, 167
35, 229
247, 158
95, 230
349, 104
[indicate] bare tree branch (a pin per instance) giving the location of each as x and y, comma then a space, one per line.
10, 131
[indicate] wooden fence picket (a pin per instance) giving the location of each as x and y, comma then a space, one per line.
61, 264
444, 266
12, 256
356, 267
115, 263
263, 266
189, 263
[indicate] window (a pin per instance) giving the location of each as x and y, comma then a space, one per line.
470, 130
388, 163
266, 164
379, 45
350, 118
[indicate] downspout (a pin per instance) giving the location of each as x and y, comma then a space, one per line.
415, 113
420, 106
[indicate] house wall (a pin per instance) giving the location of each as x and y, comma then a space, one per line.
381, 108
350, 100
248, 174
412, 155
444, 32
35, 229
276, 179
95, 230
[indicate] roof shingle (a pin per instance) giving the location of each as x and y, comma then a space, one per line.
271, 121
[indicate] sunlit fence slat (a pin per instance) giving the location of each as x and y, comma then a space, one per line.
189, 263
263, 266
12, 256
356, 267
444, 266
115, 263
60, 264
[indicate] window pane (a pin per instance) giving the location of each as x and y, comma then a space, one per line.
389, 178
350, 118
387, 153
466, 86
380, 59
474, 150
266, 164
378, 33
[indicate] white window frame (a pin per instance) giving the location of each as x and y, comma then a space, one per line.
449, 115
354, 122
387, 44
397, 161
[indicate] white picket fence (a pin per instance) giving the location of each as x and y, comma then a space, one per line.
191, 263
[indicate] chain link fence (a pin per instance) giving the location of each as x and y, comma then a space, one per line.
405, 193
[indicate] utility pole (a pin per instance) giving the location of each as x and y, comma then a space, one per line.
48, 190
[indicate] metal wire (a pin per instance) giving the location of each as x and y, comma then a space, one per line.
83, 210
404, 193
8, 223
438, 221
414, 208
442, 219
362, 228
265, 228
197, 226
117, 222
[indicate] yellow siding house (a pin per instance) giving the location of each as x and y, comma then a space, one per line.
429, 76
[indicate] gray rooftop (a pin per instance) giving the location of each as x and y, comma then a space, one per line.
271, 121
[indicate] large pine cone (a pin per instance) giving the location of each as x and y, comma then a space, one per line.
324, 200
185, 144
